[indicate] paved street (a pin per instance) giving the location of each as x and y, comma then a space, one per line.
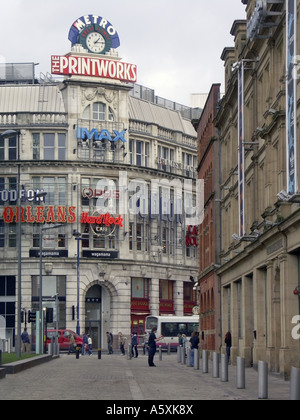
114, 378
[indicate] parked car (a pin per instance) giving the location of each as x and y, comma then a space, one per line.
64, 338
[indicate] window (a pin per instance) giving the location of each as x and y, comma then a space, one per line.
36, 146
139, 152
54, 146
7, 286
139, 288
49, 146
99, 112
165, 289
8, 148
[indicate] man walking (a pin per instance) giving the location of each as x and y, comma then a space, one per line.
152, 346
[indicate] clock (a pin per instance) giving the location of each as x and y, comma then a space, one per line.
95, 39
95, 42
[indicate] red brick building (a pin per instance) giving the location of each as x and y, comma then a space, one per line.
209, 230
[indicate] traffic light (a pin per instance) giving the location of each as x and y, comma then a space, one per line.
31, 316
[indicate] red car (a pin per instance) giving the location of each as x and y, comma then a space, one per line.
64, 338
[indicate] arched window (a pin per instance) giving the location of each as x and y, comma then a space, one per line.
98, 111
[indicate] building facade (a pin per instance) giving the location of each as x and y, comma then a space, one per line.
96, 178
209, 159
260, 271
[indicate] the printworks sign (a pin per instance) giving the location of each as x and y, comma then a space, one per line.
97, 36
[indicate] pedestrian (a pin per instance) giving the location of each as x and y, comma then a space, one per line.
84, 343
134, 343
184, 343
89, 345
25, 341
72, 344
152, 346
122, 343
228, 345
194, 344
109, 344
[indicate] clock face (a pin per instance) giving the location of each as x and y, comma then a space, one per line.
95, 39
95, 42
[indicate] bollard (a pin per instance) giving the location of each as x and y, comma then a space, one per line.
295, 384
196, 359
0, 357
182, 355
77, 352
215, 369
129, 352
240, 372
188, 357
178, 354
169, 349
262, 380
99, 353
224, 368
160, 352
204, 361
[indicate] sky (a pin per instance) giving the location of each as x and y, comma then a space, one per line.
175, 44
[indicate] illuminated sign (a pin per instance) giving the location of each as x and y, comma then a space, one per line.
40, 214
102, 224
96, 23
85, 134
257, 19
93, 67
191, 238
100, 193
24, 195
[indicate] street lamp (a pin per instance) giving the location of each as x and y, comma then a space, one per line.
77, 236
41, 333
8, 134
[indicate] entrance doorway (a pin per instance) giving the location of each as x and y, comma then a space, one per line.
93, 307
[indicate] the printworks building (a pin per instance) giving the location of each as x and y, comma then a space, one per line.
97, 160
259, 136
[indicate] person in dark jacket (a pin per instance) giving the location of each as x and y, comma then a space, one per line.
152, 346
228, 344
134, 343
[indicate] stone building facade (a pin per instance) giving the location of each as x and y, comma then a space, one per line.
260, 266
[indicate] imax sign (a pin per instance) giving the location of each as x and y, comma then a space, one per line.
94, 134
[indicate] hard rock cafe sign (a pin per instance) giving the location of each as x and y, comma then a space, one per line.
102, 224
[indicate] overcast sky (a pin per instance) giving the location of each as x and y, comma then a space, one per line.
175, 44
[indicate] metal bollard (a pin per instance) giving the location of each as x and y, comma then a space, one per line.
178, 354
295, 384
262, 380
160, 352
240, 372
215, 369
77, 352
196, 359
224, 368
99, 353
169, 349
204, 361
129, 352
182, 355
188, 357
0, 357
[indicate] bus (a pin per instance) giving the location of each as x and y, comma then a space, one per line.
171, 327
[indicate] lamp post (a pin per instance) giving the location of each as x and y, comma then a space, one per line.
41, 333
9, 134
77, 236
